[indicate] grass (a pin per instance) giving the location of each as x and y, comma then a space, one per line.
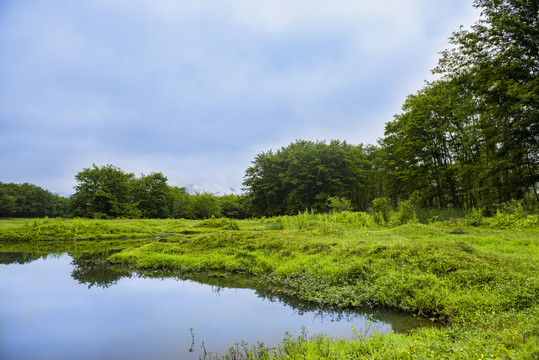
480, 281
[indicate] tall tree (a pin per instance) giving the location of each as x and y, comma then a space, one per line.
497, 61
152, 195
104, 191
471, 138
304, 175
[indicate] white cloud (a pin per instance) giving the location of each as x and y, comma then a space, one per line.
195, 89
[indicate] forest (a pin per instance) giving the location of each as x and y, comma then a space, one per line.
468, 140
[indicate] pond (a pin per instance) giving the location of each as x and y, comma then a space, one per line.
62, 307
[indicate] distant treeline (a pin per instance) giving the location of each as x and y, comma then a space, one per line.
27, 200
109, 192
469, 140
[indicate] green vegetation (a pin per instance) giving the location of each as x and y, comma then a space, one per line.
26, 200
479, 280
435, 231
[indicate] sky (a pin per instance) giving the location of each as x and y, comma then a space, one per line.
196, 89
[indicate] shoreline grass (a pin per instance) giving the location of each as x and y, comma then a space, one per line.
481, 281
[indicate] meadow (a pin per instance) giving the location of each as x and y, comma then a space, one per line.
475, 276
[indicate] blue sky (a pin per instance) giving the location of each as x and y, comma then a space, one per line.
195, 89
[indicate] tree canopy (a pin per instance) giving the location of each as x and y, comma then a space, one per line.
471, 138
102, 192
304, 175
27, 200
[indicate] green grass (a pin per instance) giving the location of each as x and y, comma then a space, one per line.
481, 282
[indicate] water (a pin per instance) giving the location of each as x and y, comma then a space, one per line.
58, 307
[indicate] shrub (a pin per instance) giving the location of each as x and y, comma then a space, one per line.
512, 215
339, 204
382, 210
405, 214
474, 217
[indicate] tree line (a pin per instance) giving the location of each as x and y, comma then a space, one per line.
471, 138
27, 200
109, 192
467, 140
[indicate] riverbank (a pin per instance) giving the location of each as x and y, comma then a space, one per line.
479, 281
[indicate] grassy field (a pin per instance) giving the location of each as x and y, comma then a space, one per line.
480, 281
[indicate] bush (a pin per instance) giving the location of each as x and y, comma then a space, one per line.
512, 215
204, 205
382, 210
405, 214
474, 217
339, 204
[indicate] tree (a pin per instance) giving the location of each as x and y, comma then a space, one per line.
27, 200
103, 192
497, 61
179, 202
233, 206
471, 138
204, 205
8, 202
152, 196
304, 175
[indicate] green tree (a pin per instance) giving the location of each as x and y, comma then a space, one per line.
204, 205
471, 138
497, 61
338, 204
8, 202
180, 206
152, 196
305, 174
27, 200
233, 206
104, 191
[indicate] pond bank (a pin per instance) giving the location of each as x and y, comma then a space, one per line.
480, 281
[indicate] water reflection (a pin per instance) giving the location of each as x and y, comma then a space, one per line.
125, 315
7, 258
93, 270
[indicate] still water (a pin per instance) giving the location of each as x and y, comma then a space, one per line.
60, 307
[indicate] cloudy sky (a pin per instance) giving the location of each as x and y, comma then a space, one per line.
195, 89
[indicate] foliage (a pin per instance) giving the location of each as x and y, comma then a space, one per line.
474, 217
109, 192
27, 200
103, 192
405, 214
151, 195
305, 175
204, 205
179, 202
339, 204
233, 206
471, 138
512, 215
382, 209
